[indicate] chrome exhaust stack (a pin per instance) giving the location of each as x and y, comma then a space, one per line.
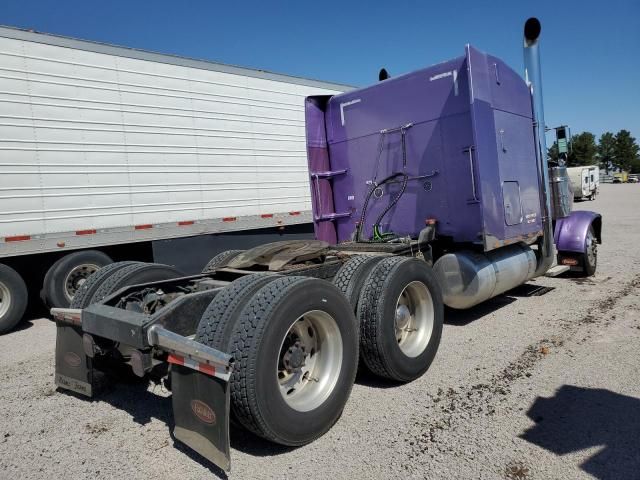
533, 76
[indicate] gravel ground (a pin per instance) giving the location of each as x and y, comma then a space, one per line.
522, 387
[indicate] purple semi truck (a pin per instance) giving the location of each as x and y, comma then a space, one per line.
429, 189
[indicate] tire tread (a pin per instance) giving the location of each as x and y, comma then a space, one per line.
83, 297
248, 330
369, 315
220, 259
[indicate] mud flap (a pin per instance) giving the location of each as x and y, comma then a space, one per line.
201, 412
74, 370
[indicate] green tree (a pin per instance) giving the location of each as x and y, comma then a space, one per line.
626, 150
606, 150
583, 150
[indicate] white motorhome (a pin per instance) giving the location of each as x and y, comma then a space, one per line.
110, 153
585, 181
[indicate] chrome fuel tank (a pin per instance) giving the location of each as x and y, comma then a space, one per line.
468, 278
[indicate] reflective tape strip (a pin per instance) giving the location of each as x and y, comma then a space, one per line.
17, 238
294, 213
267, 215
85, 232
143, 227
187, 362
67, 315
185, 223
229, 219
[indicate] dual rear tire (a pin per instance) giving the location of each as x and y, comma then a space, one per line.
295, 344
399, 308
115, 276
401, 315
296, 340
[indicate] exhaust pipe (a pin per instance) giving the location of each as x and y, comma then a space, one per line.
533, 76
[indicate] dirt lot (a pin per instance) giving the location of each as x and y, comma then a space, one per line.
522, 387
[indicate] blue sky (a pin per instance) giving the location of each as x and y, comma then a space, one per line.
590, 49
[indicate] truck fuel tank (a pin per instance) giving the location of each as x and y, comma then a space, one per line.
468, 278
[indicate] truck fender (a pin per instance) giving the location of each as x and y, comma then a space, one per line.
570, 233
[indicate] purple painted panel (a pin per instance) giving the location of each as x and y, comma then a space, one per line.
503, 136
468, 125
318, 161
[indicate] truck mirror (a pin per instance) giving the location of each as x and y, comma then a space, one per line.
562, 139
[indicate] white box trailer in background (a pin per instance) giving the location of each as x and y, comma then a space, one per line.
585, 181
115, 153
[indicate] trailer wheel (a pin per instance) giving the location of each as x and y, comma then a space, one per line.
590, 255
401, 314
220, 260
68, 274
132, 275
296, 350
83, 296
13, 298
352, 275
218, 320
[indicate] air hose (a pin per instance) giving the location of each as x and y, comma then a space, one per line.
374, 187
378, 235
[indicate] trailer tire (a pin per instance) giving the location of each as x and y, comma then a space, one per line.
590, 255
13, 298
65, 277
132, 275
217, 321
261, 402
220, 260
352, 275
401, 315
83, 296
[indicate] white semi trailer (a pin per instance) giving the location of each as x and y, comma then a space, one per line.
110, 153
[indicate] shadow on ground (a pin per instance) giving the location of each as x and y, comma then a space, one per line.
578, 418
465, 317
144, 405
461, 318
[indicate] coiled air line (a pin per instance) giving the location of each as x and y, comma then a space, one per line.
378, 235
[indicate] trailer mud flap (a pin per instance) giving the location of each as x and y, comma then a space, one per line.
74, 370
201, 413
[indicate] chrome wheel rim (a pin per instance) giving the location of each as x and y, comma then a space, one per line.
5, 299
414, 319
592, 249
76, 277
309, 361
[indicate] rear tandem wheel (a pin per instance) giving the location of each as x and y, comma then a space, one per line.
401, 315
295, 343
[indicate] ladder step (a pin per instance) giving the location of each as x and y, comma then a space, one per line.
557, 270
328, 173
